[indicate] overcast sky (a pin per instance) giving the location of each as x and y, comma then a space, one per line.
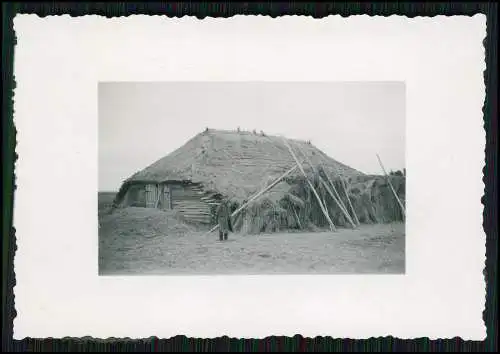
351, 122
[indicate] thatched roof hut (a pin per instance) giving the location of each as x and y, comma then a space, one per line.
230, 164
233, 163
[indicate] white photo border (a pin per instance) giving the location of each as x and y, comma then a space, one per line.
59, 61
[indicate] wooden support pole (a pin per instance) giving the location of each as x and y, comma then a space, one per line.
258, 195
346, 214
333, 187
392, 188
316, 171
335, 191
337, 200
297, 217
349, 201
323, 209
323, 200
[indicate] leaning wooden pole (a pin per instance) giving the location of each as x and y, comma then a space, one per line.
337, 200
335, 191
346, 214
323, 209
341, 206
392, 188
314, 170
297, 218
257, 195
349, 201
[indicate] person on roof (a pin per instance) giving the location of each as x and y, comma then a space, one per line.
224, 220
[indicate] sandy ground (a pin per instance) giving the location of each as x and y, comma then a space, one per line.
135, 249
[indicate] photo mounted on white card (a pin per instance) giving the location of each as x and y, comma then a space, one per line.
206, 171
243, 178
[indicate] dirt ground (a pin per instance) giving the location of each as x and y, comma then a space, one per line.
140, 245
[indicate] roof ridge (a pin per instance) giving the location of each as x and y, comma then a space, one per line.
255, 132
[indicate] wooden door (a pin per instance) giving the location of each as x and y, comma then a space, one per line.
167, 197
150, 190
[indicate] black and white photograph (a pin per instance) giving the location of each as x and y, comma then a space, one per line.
251, 178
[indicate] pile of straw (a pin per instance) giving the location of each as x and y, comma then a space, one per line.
293, 206
374, 201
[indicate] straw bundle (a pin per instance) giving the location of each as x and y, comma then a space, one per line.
298, 209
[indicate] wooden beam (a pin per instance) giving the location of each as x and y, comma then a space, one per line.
337, 194
392, 188
337, 200
257, 195
323, 209
264, 190
346, 214
312, 167
296, 217
349, 201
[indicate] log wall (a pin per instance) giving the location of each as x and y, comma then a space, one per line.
187, 200
190, 200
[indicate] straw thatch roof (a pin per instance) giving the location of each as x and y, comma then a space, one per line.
234, 164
